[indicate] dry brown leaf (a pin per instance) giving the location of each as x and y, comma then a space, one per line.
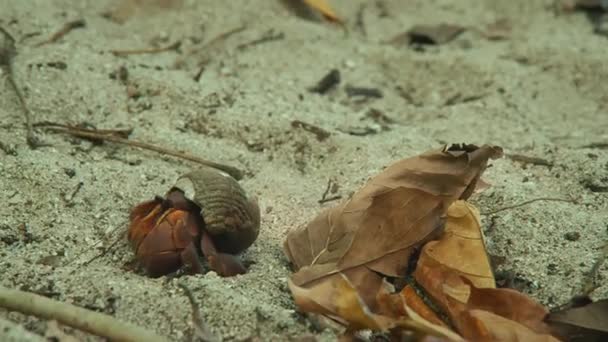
460, 251
490, 314
455, 271
374, 233
340, 300
414, 302
584, 323
395, 212
480, 325
507, 303
324, 8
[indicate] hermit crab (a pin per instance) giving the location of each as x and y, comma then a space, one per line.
205, 214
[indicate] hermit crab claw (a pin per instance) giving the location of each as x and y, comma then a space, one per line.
225, 265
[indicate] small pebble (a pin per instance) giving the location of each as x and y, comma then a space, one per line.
69, 172
572, 236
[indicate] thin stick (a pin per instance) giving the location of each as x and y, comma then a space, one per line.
67, 27
7, 53
208, 48
92, 134
171, 47
90, 321
107, 249
121, 132
267, 37
528, 202
201, 329
591, 282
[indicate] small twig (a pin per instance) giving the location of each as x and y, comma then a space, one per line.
598, 145
326, 192
319, 132
590, 283
528, 202
224, 36
69, 197
171, 47
332, 187
529, 160
360, 22
93, 134
201, 330
120, 132
208, 48
269, 36
67, 28
106, 250
329, 199
362, 91
90, 321
7, 53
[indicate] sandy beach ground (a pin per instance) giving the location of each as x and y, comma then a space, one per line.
541, 93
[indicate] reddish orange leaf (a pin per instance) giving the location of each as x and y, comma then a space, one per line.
480, 325
323, 7
413, 301
460, 251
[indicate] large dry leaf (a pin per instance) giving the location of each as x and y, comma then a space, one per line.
340, 300
455, 271
584, 323
417, 304
374, 233
507, 303
393, 213
480, 325
490, 314
460, 251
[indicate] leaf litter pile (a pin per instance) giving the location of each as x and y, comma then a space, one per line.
405, 256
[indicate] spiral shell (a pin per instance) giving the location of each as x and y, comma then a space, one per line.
231, 217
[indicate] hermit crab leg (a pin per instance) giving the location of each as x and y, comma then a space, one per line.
225, 265
190, 259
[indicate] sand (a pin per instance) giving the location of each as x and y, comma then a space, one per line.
540, 93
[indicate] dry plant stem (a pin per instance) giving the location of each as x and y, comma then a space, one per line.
528, 202
591, 283
224, 36
124, 132
31, 138
267, 37
73, 316
7, 53
106, 250
89, 134
207, 49
171, 47
201, 329
64, 30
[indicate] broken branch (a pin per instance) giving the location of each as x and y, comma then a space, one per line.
67, 27
7, 53
201, 330
171, 47
92, 322
94, 134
